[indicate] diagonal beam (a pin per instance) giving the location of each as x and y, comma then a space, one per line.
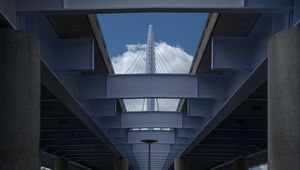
255, 80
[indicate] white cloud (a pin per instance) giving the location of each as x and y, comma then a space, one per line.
169, 59
260, 167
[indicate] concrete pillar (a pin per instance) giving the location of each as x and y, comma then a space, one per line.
19, 101
61, 164
121, 164
241, 164
284, 100
181, 164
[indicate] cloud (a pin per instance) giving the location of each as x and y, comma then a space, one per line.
261, 167
169, 59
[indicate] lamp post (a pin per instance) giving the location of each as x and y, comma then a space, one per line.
149, 142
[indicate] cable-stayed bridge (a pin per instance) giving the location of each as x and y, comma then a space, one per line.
150, 61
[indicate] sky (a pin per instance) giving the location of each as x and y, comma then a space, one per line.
176, 29
176, 36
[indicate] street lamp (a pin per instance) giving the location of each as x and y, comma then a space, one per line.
149, 142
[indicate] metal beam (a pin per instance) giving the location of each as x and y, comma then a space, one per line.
232, 53
146, 86
256, 79
151, 119
135, 137
72, 162
51, 82
157, 147
60, 54
100, 6
99, 108
8, 13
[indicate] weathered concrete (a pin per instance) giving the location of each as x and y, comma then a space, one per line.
61, 164
284, 100
19, 101
241, 164
121, 164
181, 164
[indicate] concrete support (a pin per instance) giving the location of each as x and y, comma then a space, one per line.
181, 164
121, 164
19, 101
61, 164
284, 100
241, 164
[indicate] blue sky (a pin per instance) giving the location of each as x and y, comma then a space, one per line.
177, 29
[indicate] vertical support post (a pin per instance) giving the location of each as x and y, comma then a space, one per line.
149, 142
283, 100
61, 164
149, 156
19, 100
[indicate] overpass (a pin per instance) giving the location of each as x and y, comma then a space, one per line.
62, 104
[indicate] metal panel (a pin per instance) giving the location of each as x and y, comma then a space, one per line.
151, 119
60, 54
200, 107
74, 54
193, 122
119, 5
257, 78
232, 53
157, 147
213, 86
147, 86
111, 122
164, 86
98, 108
162, 137
93, 87
100, 6
185, 133
133, 4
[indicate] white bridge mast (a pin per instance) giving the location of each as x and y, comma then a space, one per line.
150, 64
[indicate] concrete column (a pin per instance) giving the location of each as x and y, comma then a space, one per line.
19, 101
241, 164
121, 164
180, 164
284, 100
61, 164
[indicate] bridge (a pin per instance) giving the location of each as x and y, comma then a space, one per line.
63, 106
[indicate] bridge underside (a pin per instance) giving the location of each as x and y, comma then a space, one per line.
62, 102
